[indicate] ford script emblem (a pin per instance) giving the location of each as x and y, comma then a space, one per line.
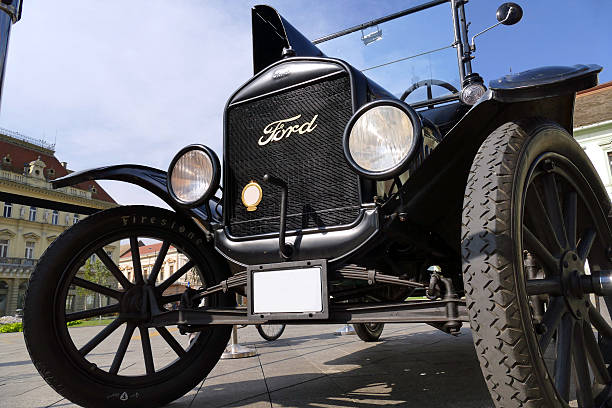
280, 129
280, 73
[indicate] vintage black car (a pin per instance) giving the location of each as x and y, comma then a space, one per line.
339, 202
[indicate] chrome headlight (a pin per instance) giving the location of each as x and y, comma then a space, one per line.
381, 138
193, 175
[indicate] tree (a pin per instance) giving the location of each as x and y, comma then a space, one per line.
95, 271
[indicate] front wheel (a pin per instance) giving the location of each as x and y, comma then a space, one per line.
84, 276
369, 332
537, 271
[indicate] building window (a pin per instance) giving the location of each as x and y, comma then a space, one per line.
3, 295
23, 287
32, 213
29, 250
8, 210
70, 303
4, 243
55, 217
75, 219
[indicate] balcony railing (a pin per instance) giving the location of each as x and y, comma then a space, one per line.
4, 261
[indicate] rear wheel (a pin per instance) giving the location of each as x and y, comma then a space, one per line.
536, 263
369, 331
124, 363
270, 332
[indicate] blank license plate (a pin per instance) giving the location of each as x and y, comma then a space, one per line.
297, 290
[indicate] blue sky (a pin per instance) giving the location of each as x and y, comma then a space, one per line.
133, 82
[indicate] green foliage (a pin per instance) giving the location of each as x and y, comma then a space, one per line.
95, 272
11, 328
18, 327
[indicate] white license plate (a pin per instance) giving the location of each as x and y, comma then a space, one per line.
297, 290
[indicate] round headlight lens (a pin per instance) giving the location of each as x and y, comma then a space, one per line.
191, 176
381, 138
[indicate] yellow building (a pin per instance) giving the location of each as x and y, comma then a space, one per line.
33, 214
173, 261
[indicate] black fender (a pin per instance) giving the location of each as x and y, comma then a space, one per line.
151, 179
432, 197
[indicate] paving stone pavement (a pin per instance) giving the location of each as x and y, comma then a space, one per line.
412, 366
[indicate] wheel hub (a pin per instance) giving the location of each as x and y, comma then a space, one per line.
133, 304
572, 278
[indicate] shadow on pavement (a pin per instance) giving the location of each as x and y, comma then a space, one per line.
427, 369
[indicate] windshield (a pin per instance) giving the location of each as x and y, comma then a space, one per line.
404, 53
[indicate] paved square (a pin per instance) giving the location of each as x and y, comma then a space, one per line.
412, 366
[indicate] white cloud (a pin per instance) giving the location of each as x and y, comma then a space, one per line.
125, 82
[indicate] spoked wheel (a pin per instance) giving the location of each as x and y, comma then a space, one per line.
537, 270
369, 331
124, 363
270, 332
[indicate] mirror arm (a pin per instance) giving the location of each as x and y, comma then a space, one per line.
473, 44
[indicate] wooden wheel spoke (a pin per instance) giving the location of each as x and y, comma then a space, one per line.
159, 262
583, 374
551, 321
123, 345
563, 366
586, 243
171, 298
146, 350
539, 250
539, 219
570, 215
175, 276
100, 337
86, 314
595, 357
171, 341
552, 202
97, 288
135, 251
114, 269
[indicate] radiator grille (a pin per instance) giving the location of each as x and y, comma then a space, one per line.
323, 190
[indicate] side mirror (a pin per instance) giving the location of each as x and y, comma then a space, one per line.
509, 13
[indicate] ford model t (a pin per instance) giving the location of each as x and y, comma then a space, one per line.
344, 203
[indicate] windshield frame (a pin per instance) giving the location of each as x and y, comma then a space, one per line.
460, 43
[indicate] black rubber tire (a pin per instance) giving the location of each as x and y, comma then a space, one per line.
269, 336
58, 361
497, 301
369, 332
